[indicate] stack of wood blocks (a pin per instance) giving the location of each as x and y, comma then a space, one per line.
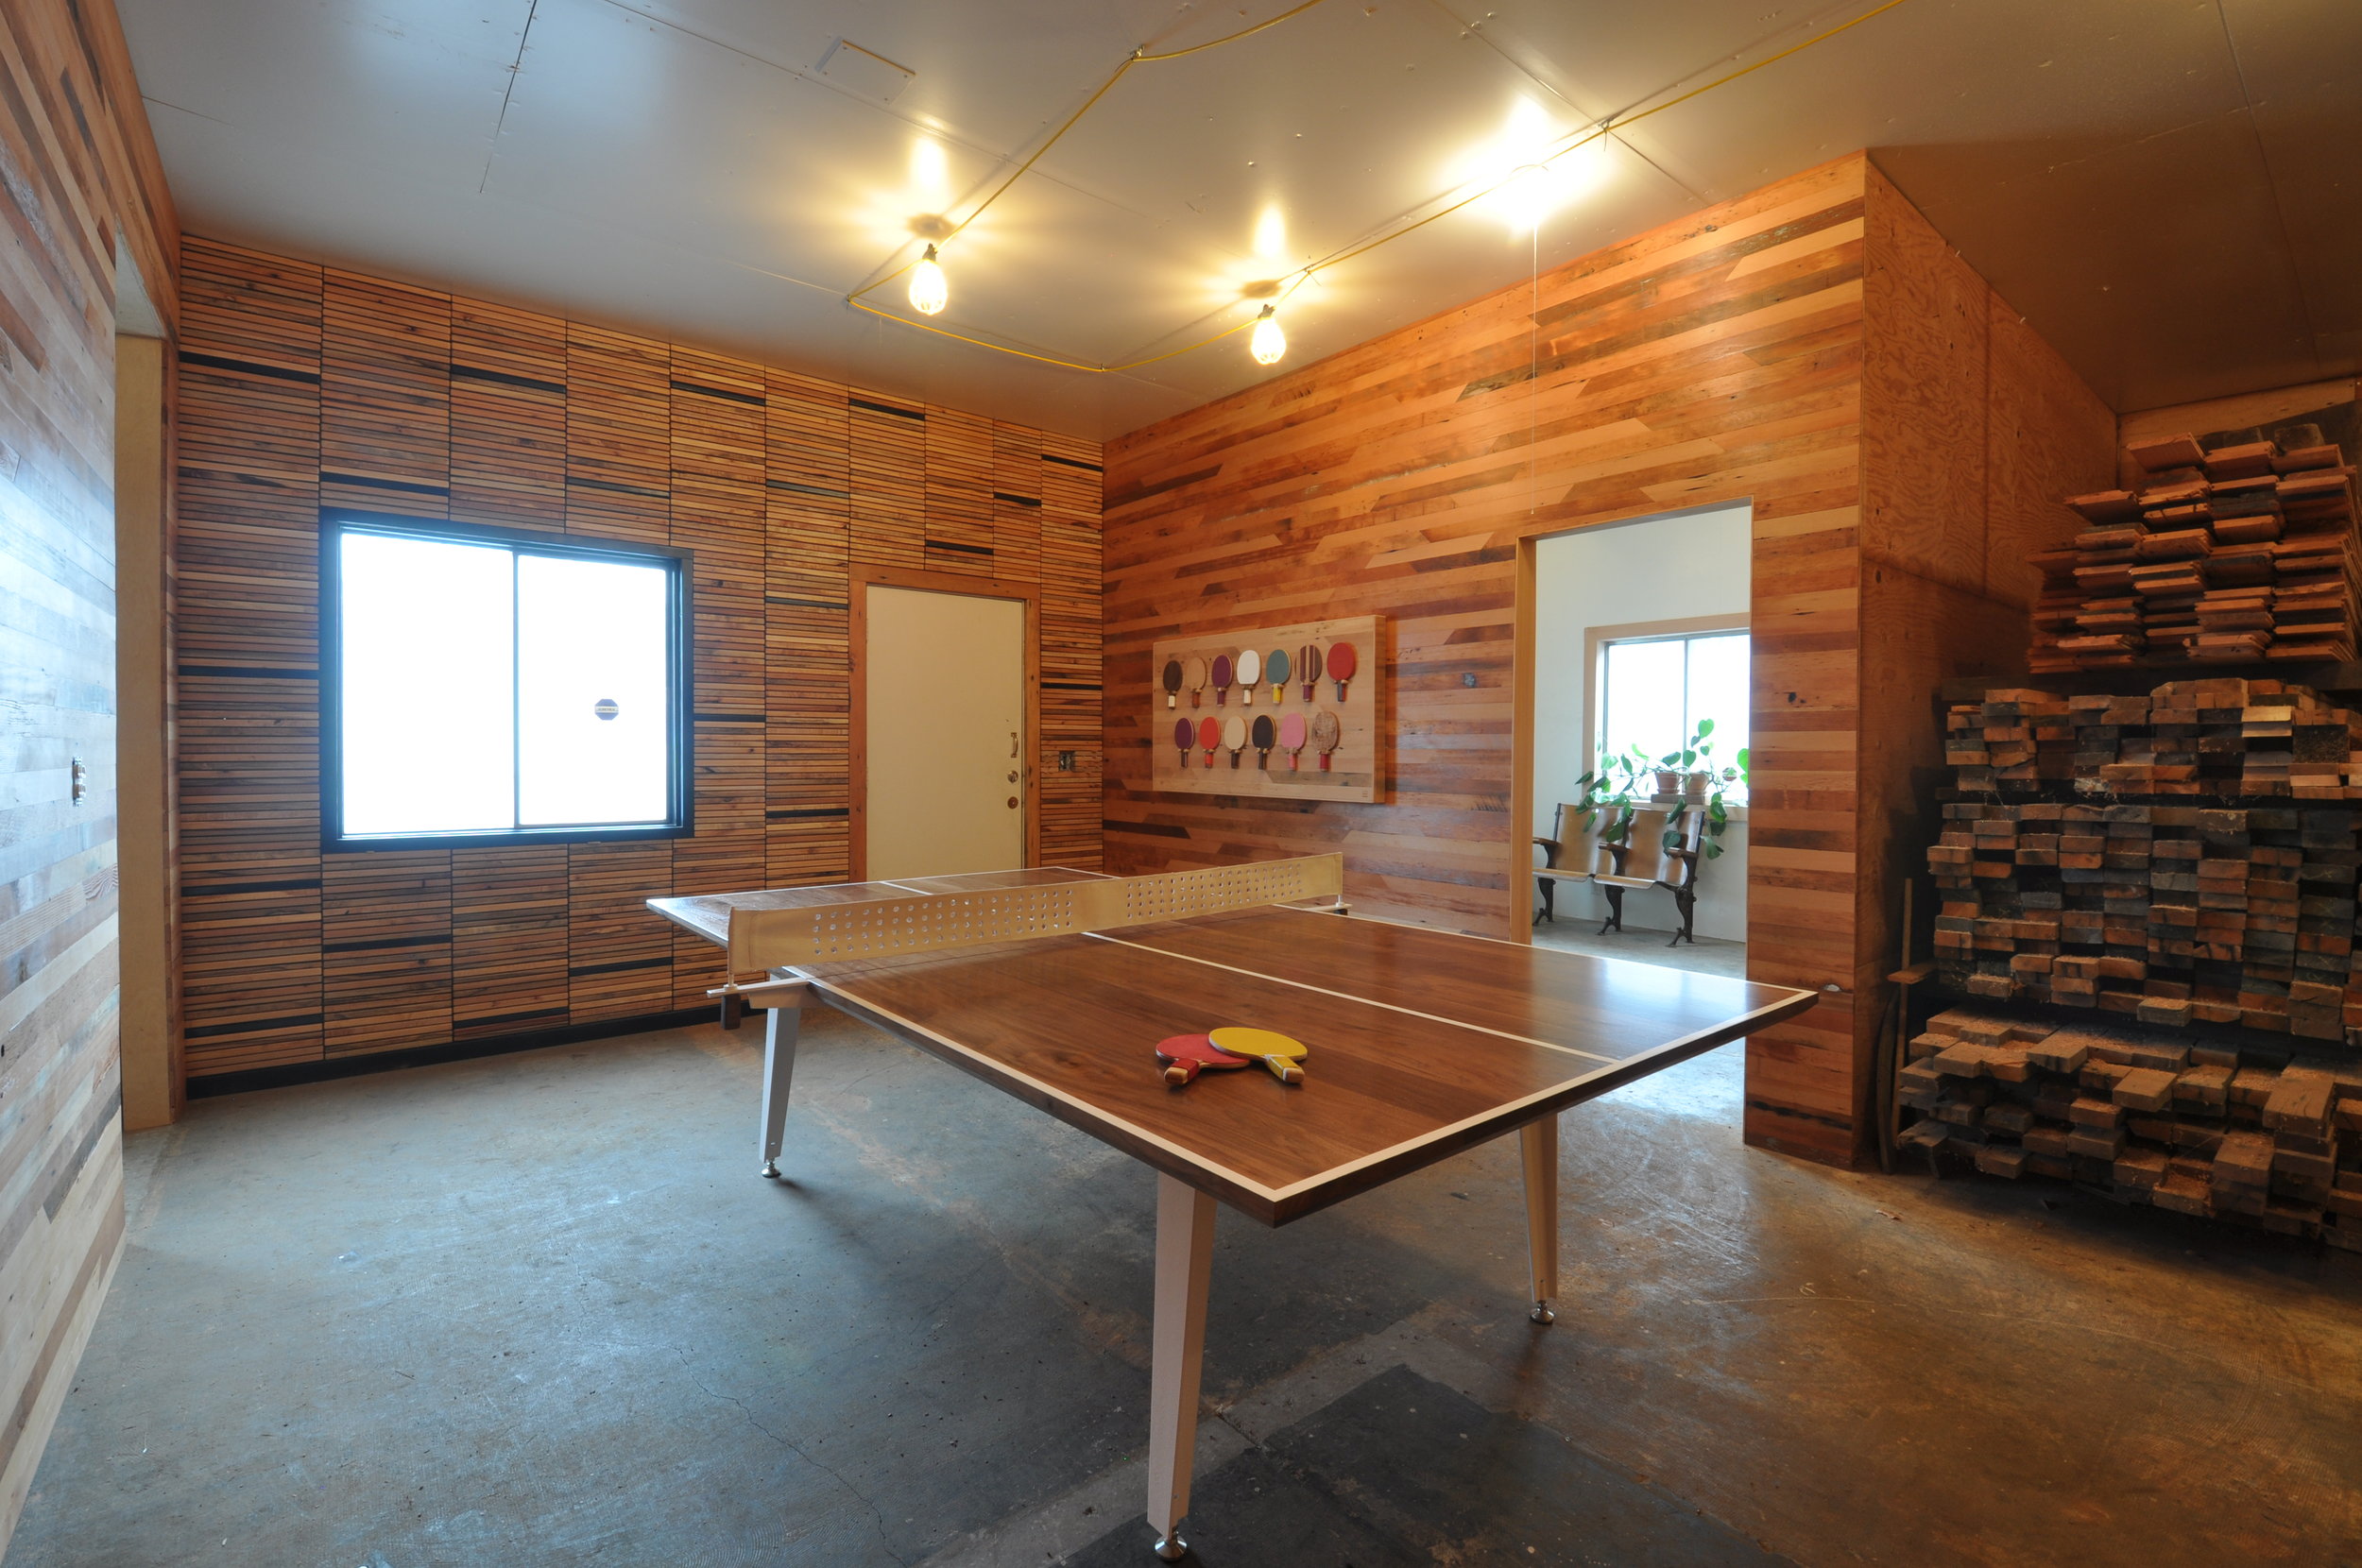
2201, 1128
2239, 548
2237, 906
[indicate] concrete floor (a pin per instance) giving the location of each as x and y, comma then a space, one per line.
539, 1309
1707, 956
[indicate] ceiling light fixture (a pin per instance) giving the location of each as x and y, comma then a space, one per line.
929, 292
1532, 167
1267, 343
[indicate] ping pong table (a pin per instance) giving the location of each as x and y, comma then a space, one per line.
1055, 985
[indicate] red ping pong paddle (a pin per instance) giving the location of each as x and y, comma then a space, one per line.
1184, 1056
1209, 736
1249, 669
1266, 733
1194, 677
1234, 736
1183, 733
1221, 679
1342, 662
1327, 734
1291, 739
1308, 669
1172, 683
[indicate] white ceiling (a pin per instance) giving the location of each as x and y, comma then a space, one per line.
2168, 188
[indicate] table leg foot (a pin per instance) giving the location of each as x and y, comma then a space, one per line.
771, 1169
1542, 1313
1173, 1548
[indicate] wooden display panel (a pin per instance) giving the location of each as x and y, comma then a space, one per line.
1356, 769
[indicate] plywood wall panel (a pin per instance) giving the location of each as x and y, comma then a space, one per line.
304, 387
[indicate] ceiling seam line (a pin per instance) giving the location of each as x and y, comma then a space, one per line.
2280, 208
1475, 31
998, 160
524, 36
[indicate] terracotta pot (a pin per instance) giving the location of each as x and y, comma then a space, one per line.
1694, 787
1668, 781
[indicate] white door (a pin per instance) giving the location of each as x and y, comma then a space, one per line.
944, 717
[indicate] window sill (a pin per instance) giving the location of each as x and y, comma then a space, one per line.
506, 839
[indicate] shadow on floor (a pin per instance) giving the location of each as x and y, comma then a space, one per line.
540, 1309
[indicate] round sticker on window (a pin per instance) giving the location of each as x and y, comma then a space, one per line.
605, 707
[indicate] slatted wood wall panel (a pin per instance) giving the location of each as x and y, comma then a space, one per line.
304, 386
80, 171
1719, 358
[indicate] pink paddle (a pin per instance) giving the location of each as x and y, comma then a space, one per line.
1291, 738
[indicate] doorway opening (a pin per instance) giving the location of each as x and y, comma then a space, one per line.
1635, 637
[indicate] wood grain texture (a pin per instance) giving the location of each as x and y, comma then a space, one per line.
81, 173
1717, 359
1068, 1024
1974, 428
2265, 407
1724, 357
304, 386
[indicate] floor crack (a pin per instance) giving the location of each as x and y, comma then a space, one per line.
828, 1470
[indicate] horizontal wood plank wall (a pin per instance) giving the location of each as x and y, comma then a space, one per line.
1719, 358
1716, 359
79, 176
303, 385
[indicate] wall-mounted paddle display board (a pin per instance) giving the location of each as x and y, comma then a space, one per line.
1198, 681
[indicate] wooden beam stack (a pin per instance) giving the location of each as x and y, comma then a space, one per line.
2256, 1138
2237, 551
2186, 858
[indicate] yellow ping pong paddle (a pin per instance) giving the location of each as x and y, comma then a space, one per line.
1282, 1055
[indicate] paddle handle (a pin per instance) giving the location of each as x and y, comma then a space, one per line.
1178, 1073
1284, 1068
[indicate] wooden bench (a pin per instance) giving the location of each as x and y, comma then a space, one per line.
1639, 860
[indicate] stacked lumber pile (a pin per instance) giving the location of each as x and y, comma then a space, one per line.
2223, 737
2241, 549
2172, 911
2200, 1127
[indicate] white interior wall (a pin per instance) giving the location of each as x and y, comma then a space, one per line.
1669, 568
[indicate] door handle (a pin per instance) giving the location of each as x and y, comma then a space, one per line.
1012, 743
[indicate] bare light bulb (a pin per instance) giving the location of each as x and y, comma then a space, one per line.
929, 292
1267, 343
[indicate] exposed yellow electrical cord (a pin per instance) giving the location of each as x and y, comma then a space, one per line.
1134, 58
1573, 142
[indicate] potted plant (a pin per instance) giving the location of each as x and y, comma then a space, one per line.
1707, 790
1612, 791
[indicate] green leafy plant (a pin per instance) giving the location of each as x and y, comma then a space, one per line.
1609, 793
1715, 808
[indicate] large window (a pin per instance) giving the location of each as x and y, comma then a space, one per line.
1653, 691
492, 685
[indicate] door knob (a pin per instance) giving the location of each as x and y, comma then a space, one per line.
1013, 803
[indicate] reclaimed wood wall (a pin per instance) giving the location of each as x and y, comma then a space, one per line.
1721, 358
81, 173
304, 387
